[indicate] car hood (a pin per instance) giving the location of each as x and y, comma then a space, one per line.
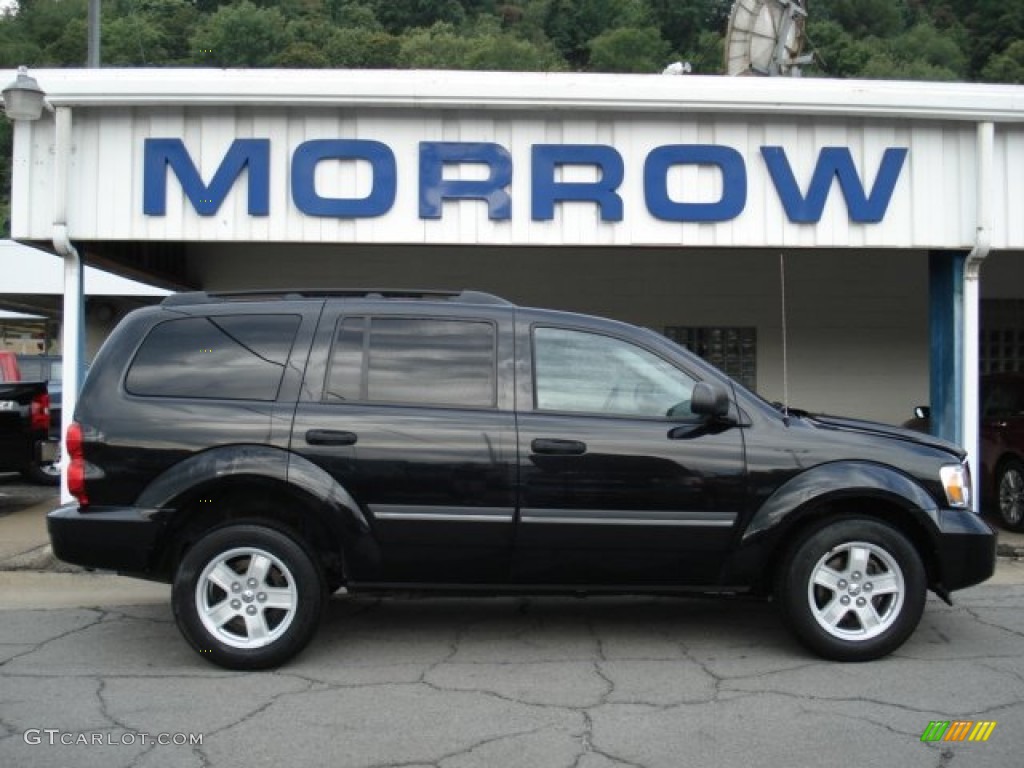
861, 426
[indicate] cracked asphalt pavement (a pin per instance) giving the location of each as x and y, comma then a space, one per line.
453, 683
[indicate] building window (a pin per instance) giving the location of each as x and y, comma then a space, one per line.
732, 350
1002, 336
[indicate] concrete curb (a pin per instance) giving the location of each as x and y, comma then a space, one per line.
1011, 551
38, 559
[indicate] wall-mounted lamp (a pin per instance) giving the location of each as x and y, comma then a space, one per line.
24, 99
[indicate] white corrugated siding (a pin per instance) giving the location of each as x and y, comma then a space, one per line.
933, 205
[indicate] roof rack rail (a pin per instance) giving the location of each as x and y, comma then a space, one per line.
461, 297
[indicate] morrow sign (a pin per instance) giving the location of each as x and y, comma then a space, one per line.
547, 189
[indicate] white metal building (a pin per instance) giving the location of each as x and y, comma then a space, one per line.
665, 201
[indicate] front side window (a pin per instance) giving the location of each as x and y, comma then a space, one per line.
234, 357
415, 361
581, 372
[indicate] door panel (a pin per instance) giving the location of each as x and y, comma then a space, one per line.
434, 475
629, 494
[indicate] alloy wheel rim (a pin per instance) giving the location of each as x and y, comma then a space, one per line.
856, 591
246, 598
1011, 496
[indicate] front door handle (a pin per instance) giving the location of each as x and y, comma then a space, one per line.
555, 447
330, 437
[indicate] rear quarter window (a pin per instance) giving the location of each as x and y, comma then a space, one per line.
233, 357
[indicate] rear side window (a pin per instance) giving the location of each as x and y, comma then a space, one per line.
236, 357
414, 361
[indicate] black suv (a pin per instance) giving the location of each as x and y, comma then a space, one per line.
260, 451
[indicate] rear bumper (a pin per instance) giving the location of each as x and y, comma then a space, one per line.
965, 548
122, 539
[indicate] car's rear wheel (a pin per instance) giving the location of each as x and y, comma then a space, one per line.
1010, 489
852, 590
247, 597
44, 472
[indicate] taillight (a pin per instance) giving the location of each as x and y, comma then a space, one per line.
76, 464
39, 413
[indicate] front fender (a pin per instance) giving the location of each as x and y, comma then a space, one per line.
838, 480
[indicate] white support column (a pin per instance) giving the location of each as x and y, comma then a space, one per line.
972, 280
73, 335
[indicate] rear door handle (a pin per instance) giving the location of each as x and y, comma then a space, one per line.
557, 447
330, 437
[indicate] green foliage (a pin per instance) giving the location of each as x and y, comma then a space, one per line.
707, 55
682, 23
926, 39
360, 48
571, 25
133, 41
863, 18
442, 46
240, 35
399, 15
919, 53
629, 49
1006, 67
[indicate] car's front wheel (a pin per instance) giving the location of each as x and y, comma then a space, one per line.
852, 590
247, 597
1010, 489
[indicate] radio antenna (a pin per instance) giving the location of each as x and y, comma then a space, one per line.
785, 351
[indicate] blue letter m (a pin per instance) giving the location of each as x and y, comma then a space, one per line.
834, 161
160, 153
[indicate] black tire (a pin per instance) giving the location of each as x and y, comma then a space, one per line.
1010, 494
235, 623
42, 474
852, 589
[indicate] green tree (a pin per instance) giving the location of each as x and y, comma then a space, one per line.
707, 55
570, 25
442, 46
681, 23
302, 55
400, 15
864, 18
70, 47
240, 35
176, 20
629, 49
360, 48
837, 52
353, 13
133, 41
507, 53
1006, 67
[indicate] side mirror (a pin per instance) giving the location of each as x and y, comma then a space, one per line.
923, 412
709, 400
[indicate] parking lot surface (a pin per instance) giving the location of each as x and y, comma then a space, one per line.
93, 672
510, 682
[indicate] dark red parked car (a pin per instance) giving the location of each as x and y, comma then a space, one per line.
1002, 444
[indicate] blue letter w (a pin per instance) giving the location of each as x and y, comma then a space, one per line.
160, 153
834, 161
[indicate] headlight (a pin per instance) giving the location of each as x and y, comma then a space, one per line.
956, 481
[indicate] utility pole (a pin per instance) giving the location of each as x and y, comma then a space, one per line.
93, 60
